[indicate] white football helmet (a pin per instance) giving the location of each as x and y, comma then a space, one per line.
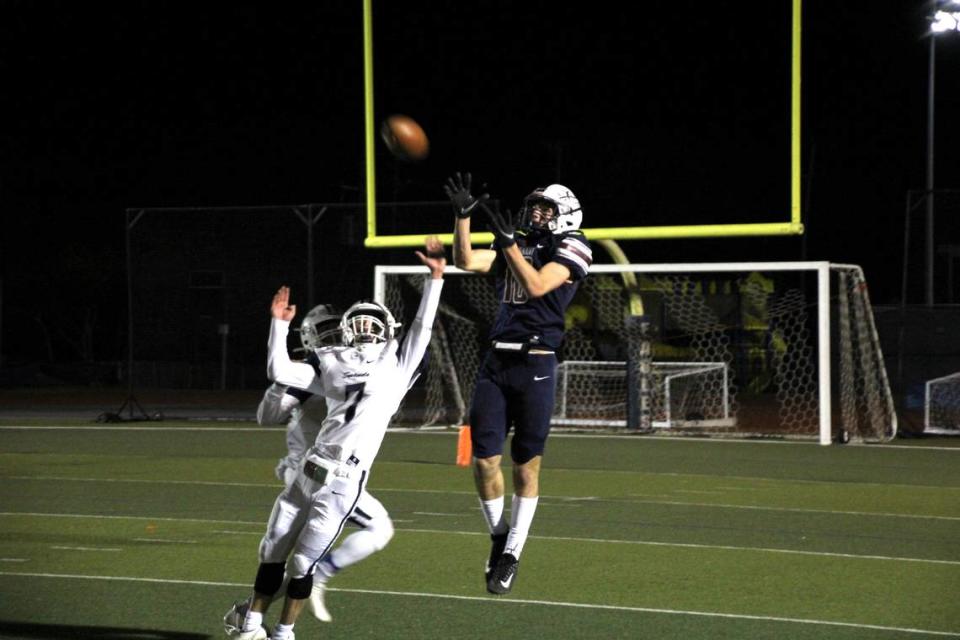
320, 328
367, 323
567, 213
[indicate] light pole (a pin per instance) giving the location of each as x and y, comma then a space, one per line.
940, 22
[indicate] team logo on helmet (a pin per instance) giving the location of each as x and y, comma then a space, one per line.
320, 328
567, 213
367, 323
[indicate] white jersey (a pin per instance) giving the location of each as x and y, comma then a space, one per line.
301, 411
363, 385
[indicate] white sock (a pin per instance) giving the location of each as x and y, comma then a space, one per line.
252, 621
493, 514
282, 632
521, 516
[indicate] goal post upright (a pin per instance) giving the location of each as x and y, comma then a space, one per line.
823, 337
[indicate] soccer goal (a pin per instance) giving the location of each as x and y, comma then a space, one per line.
763, 349
941, 405
684, 394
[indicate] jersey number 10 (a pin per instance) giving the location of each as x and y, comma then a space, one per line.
513, 291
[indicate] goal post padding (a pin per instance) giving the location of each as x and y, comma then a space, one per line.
753, 349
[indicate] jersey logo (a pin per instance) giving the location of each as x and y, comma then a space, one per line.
539, 378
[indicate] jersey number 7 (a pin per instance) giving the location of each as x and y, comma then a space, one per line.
352, 409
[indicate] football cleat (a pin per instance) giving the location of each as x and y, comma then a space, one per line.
502, 577
257, 634
233, 619
317, 605
497, 543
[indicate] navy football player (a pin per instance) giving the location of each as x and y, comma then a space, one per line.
538, 267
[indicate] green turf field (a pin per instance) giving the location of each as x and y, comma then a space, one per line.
150, 531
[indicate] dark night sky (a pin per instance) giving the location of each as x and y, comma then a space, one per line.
679, 115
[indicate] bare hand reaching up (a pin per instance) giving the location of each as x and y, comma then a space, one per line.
435, 257
280, 308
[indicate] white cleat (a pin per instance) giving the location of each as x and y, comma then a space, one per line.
257, 634
317, 605
234, 617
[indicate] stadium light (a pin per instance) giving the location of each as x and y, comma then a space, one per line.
941, 22
945, 21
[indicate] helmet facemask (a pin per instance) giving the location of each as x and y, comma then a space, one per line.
567, 215
367, 323
320, 328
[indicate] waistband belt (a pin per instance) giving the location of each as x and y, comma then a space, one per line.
519, 347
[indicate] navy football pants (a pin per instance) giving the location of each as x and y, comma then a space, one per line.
513, 390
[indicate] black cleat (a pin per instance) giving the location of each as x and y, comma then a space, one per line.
502, 577
497, 543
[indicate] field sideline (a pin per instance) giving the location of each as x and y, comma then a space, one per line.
149, 530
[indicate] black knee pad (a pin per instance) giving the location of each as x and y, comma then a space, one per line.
299, 588
269, 578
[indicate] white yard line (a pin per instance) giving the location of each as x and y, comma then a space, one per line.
723, 547
86, 548
453, 433
277, 486
723, 505
544, 603
163, 541
649, 543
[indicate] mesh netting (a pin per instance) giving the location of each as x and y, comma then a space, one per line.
728, 353
942, 405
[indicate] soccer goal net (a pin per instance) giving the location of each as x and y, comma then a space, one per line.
766, 349
941, 405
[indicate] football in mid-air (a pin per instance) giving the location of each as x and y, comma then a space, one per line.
405, 138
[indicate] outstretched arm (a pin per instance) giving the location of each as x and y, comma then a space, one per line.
280, 368
464, 204
535, 282
418, 338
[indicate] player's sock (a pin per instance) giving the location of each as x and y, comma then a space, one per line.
282, 632
493, 514
252, 621
521, 516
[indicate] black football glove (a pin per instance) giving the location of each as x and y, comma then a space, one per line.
458, 190
500, 225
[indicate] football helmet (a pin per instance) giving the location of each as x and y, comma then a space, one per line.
367, 323
320, 328
567, 214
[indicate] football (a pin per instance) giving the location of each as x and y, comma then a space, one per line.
405, 138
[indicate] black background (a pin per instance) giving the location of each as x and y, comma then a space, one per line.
676, 115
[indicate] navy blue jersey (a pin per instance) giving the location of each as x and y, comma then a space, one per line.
539, 320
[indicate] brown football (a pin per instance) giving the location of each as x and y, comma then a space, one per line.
405, 138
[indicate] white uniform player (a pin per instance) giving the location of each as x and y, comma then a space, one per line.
364, 382
302, 409
302, 412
